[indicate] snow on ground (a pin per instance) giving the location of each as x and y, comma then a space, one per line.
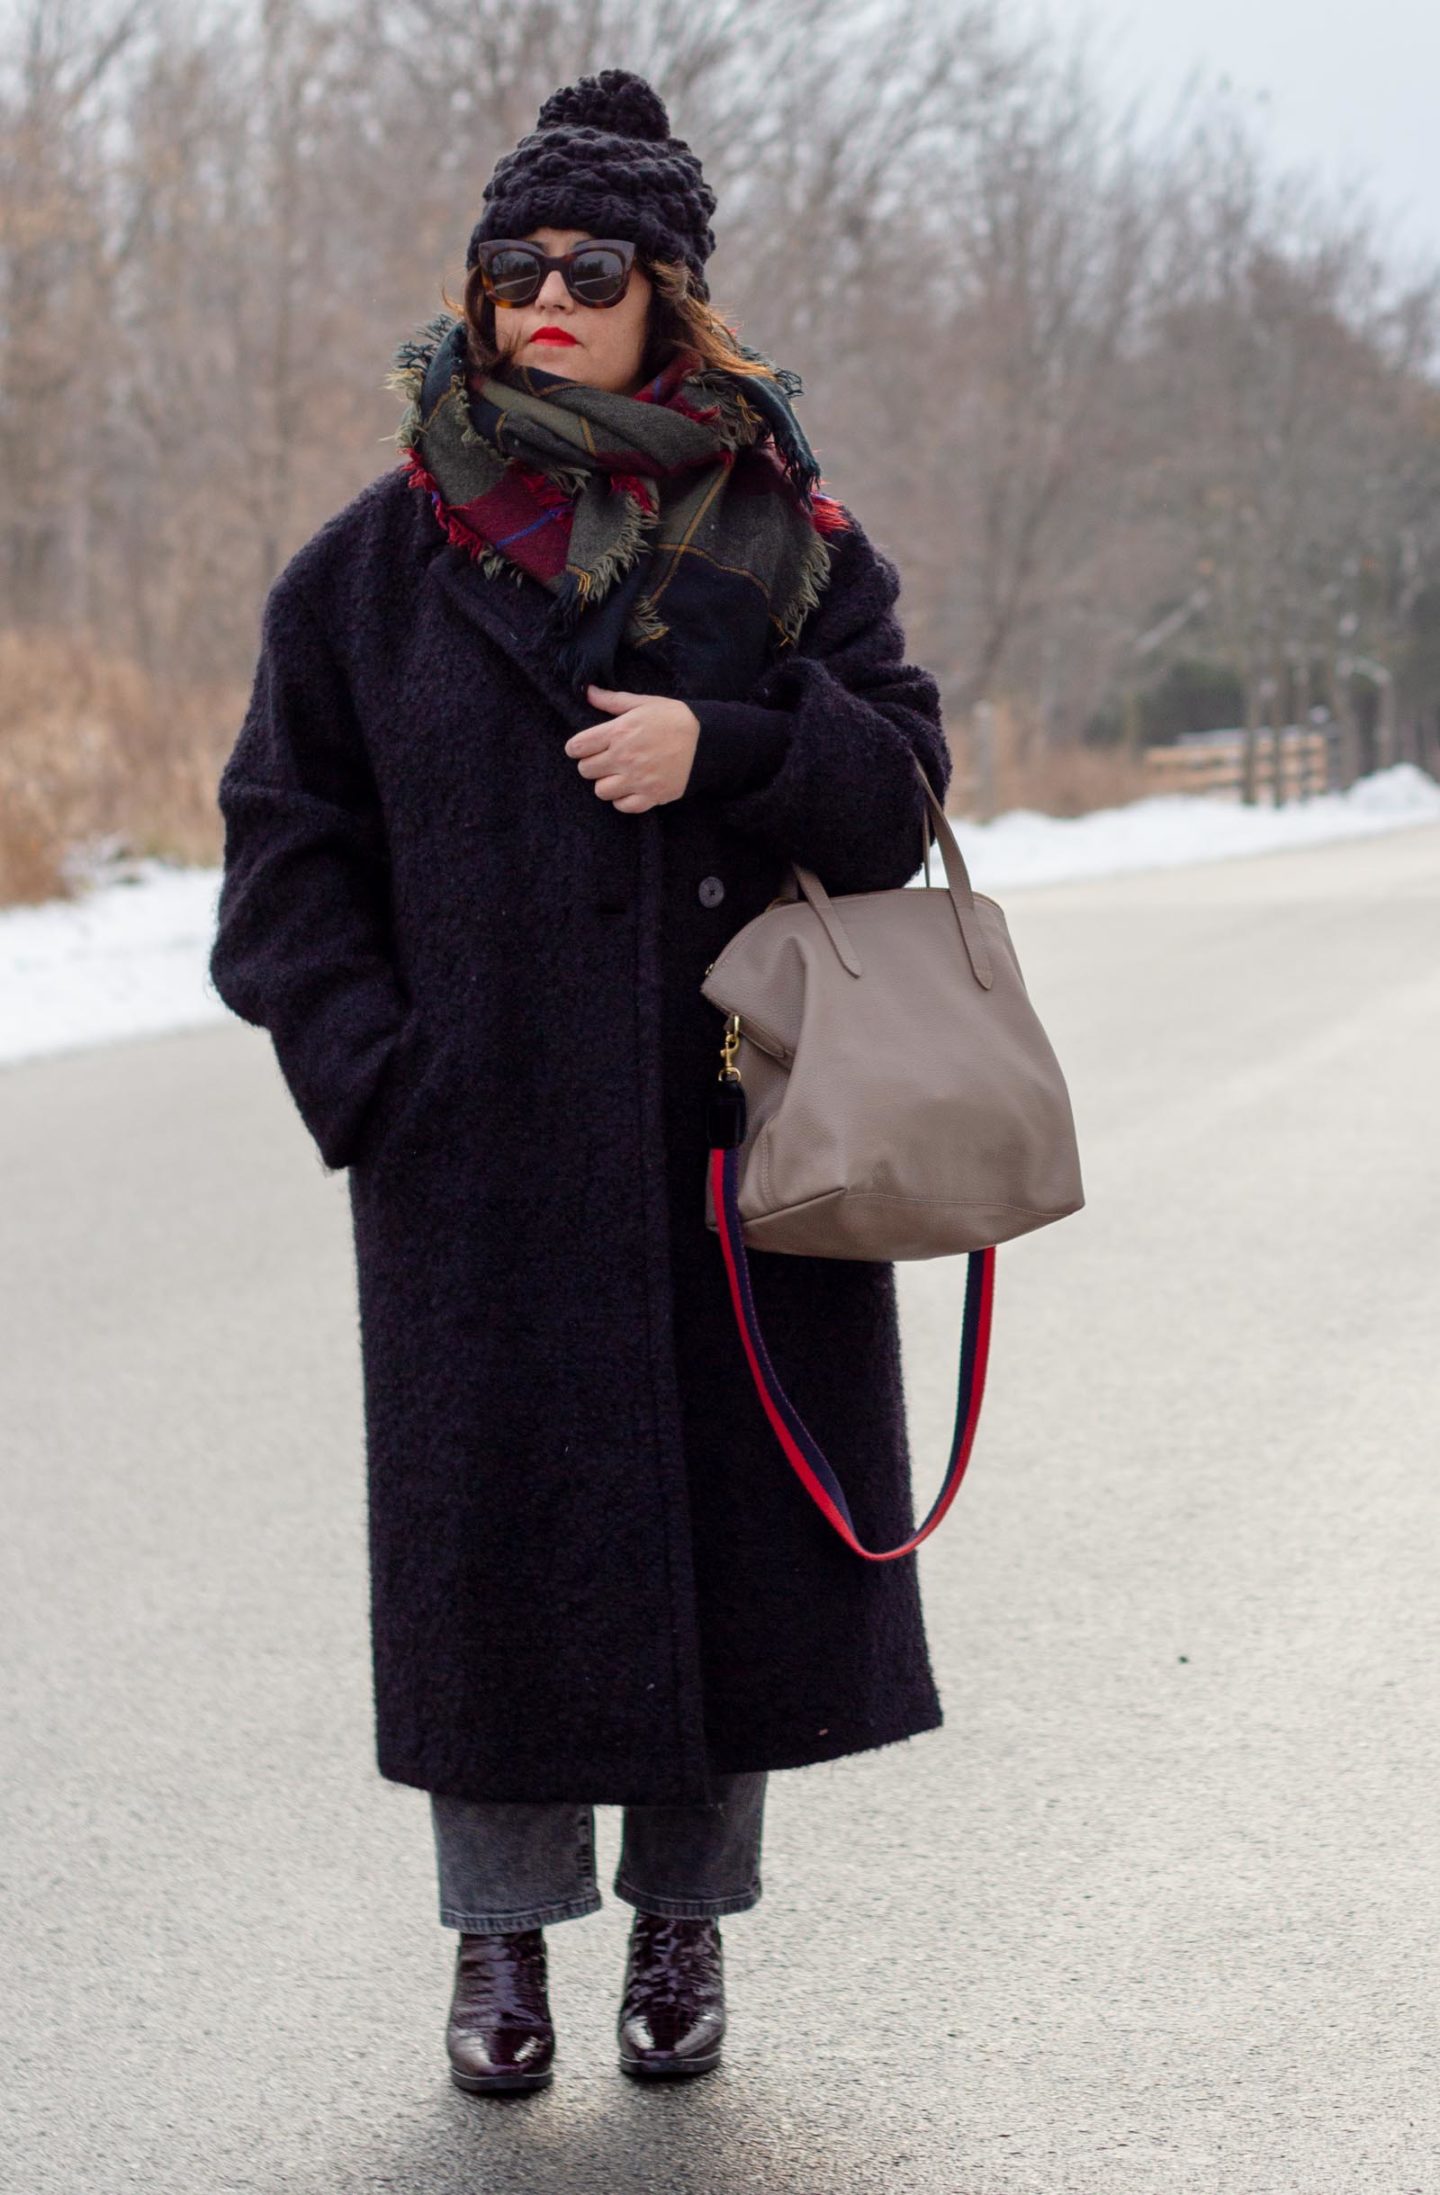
128, 956
1171, 829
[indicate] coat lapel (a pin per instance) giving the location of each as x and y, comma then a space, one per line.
513, 617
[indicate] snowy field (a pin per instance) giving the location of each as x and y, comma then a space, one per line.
128, 956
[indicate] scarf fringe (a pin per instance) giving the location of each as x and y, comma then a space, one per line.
493, 562
736, 423
578, 588
649, 624
414, 352
814, 576
645, 625
557, 484
406, 376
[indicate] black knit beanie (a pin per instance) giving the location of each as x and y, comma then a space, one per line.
601, 157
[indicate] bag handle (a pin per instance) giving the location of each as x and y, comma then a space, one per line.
802, 1450
957, 878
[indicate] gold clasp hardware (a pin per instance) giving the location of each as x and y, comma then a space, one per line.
729, 1048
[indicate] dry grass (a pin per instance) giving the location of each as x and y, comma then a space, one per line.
95, 753
1072, 780
1068, 780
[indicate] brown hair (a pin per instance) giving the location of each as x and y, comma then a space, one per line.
678, 319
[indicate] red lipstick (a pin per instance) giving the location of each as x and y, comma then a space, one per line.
552, 335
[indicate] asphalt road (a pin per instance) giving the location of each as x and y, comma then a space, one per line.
1155, 1911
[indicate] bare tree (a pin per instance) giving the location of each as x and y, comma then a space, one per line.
53, 280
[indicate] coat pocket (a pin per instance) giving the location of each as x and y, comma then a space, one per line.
412, 1073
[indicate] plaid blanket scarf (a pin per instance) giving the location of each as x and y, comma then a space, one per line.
684, 520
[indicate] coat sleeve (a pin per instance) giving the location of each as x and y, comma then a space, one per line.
301, 946
740, 745
818, 760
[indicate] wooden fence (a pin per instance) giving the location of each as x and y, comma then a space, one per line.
1214, 762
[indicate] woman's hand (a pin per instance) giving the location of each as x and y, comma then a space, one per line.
642, 754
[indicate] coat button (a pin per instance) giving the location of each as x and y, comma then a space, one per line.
712, 891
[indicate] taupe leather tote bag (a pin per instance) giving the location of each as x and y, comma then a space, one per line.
885, 1091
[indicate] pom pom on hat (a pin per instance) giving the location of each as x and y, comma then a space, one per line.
617, 100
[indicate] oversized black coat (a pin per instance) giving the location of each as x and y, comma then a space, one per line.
594, 1575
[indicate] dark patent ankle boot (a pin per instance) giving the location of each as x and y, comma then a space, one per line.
672, 2015
499, 2034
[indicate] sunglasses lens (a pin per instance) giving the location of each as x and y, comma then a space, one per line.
512, 277
597, 277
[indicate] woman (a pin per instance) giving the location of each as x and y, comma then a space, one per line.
539, 721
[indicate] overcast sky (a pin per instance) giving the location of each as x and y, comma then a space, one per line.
1352, 91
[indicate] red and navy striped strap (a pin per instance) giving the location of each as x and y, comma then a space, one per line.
804, 1454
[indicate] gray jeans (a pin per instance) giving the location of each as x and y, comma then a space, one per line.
504, 1865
